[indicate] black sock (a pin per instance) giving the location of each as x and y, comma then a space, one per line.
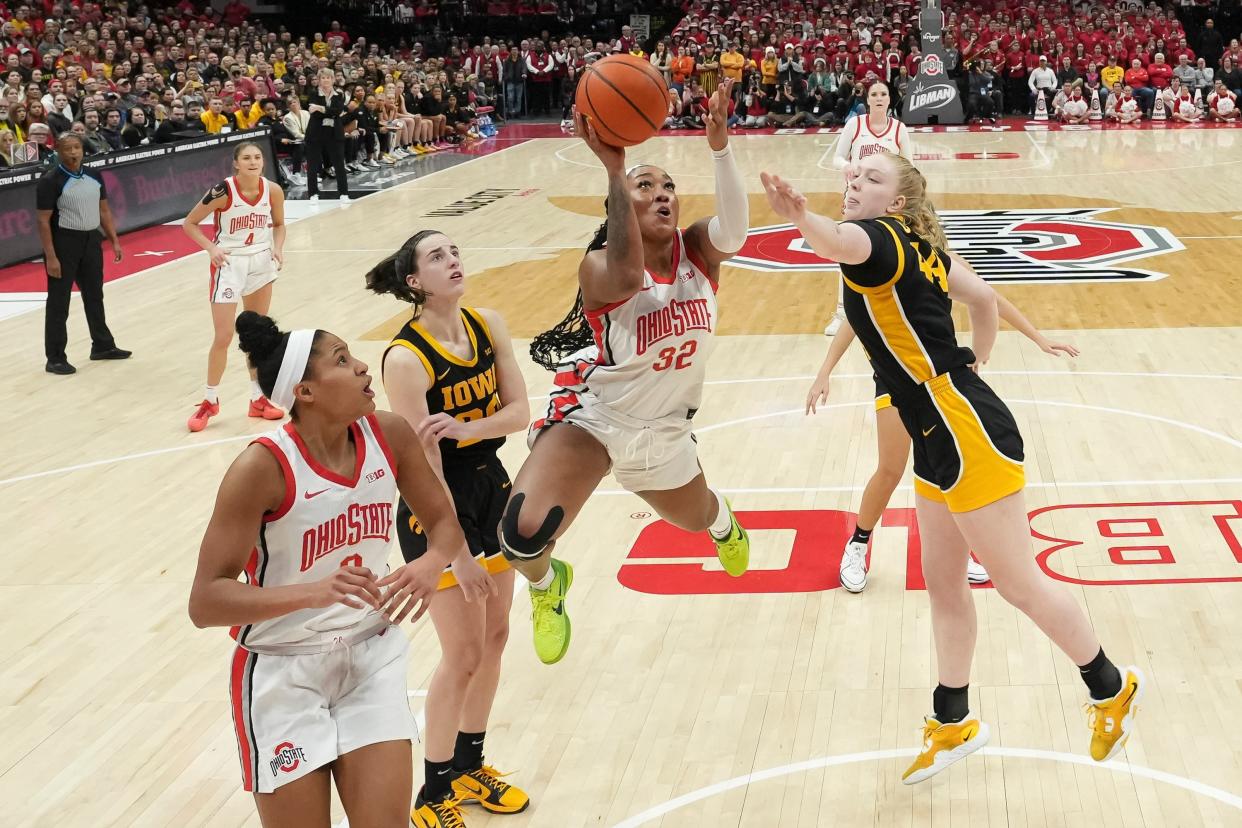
439, 780
861, 535
1101, 676
950, 704
468, 754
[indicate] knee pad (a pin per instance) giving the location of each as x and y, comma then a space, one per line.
513, 544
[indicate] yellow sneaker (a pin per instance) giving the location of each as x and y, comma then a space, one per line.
1112, 720
944, 744
485, 787
443, 814
733, 551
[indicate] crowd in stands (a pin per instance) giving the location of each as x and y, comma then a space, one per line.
123, 75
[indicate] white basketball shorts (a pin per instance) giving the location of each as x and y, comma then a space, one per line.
296, 713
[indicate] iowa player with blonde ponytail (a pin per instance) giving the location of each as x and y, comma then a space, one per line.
968, 453
893, 442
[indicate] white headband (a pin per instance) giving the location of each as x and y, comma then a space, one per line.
292, 367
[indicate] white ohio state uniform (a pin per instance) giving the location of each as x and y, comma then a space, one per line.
637, 388
244, 231
1126, 106
857, 140
315, 684
1074, 107
1184, 105
1223, 104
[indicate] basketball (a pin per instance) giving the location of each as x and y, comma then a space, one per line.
625, 97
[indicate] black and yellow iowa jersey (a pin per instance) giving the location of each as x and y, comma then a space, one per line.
463, 388
898, 304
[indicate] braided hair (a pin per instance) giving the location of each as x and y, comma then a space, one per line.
572, 333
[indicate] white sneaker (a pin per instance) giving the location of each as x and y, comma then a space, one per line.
854, 567
834, 325
343, 199
975, 573
313, 198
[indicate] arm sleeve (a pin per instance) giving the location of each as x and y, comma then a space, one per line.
885, 263
727, 229
841, 155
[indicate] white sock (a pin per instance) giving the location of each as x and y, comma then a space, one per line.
255, 390
723, 524
546, 581
212, 394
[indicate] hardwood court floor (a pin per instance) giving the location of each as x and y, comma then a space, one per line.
681, 681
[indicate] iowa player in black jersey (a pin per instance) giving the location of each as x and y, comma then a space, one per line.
451, 373
900, 284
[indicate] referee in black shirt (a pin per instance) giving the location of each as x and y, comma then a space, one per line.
73, 205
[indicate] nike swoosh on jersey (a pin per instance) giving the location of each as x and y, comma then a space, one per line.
309, 495
445, 374
928, 431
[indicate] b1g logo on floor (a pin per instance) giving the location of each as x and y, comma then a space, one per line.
1003, 246
1105, 544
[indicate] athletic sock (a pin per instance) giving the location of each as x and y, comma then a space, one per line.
722, 526
1101, 676
861, 535
212, 394
468, 753
255, 391
439, 776
546, 581
950, 704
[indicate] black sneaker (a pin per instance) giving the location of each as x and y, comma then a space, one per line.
63, 368
112, 353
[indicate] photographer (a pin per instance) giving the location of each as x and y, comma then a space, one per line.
783, 110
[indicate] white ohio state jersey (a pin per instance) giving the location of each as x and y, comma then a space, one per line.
325, 521
864, 142
650, 353
242, 226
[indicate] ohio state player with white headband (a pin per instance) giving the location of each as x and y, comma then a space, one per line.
318, 680
862, 136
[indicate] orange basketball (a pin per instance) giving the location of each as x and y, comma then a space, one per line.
625, 97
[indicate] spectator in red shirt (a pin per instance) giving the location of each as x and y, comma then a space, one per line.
1138, 79
1160, 73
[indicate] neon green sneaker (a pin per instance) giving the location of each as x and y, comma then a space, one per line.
548, 616
733, 551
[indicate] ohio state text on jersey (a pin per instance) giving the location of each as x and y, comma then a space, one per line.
325, 521
244, 226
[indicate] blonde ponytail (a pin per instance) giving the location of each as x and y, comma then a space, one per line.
919, 213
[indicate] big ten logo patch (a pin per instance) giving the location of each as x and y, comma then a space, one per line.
1187, 542
1102, 543
375, 475
287, 758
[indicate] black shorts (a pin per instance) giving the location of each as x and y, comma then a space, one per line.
883, 399
480, 491
967, 447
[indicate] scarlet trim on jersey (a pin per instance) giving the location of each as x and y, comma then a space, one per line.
287, 471
600, 324
373, 421
242, 196
360, 456
241, 681
698, 262
866, 118
560, 405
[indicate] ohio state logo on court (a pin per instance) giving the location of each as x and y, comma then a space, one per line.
932, 66
287, 758
1003, 246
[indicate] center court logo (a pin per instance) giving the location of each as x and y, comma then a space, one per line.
1064, 246
287, 758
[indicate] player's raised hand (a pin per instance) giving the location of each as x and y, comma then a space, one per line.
784, 200
718, 115
613, 158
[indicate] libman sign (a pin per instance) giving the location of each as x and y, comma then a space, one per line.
932, 97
